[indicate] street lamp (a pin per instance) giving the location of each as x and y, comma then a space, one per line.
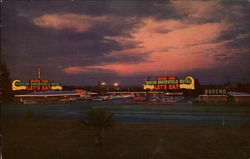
103, 83
116, 84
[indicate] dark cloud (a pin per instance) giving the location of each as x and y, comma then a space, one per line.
220, 55
41, 47
158, 9
237, 14
219, 75
243, 43
224, 59
27, 46
162, 30
129, 58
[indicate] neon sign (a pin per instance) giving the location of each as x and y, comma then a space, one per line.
216, 91
35, 85
170, 83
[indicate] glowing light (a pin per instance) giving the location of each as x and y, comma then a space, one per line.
15, 88
147, 86
56, 87
165, 83
116, 84
188, 86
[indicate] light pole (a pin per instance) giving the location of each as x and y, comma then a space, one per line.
116, 86
103, 83
103, 86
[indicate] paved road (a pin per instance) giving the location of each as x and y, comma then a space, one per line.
73, 111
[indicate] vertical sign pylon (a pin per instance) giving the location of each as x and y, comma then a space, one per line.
39, 73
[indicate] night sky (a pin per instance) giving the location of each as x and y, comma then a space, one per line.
79, 43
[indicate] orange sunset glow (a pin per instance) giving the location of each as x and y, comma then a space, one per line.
182, 37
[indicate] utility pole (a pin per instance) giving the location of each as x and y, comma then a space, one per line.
39, 73
228, 82
166, 70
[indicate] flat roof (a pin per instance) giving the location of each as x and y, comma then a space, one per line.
208, 95
51, 93
239, 94
43, 95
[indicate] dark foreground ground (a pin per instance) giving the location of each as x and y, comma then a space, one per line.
69, 139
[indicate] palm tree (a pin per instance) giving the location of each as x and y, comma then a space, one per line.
100, 120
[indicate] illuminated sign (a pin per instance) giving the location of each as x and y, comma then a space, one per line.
216, 91
35, 85
170, 83
81, 91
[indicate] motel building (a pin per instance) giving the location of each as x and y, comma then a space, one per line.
52, 96
214, 95
222, 95
239, 97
